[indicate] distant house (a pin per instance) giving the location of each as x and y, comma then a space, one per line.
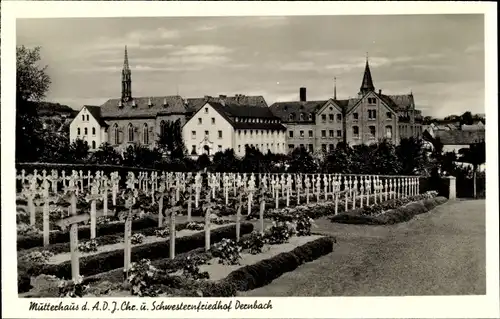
89, 126
454, 140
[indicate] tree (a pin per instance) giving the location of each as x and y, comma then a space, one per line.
254, 161
301, 161
203, 162
106, 154
474, 155
384, 159
466, 119
32, 84
79, 151
338, 161
141, 156
55, 146
170, 139
412, 156
225, 161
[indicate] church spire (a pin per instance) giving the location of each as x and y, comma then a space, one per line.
126, 79
367, 84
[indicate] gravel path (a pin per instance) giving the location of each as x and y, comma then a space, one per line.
438, 253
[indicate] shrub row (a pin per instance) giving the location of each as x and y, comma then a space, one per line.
101, 240
104, 262
265, 271
35, 240
393, 216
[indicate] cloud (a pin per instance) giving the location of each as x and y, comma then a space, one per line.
298, 66
202, 50
478, 47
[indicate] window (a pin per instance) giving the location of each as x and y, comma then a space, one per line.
291, 147
310, 133
78, 130
87, 118
339, 117
193, 150
323, 147
301, 133
323, 117
331, 147
355, 116
86, 131
206, 110
372, 131
372, 100
251, 132
323, 133
291, 116
219, 148
290, 134
93, 131
331, 117
311, 148
220, 134
145, 134
193, 135
301, 116
330, 133
213, 120
388, 131
93, 144
130, 133
245, 132
117, 134
389, 115
200, 121
239, 148
372, 114
310, 117
83, 117
301, 145
355, 131
339, 133
206, 133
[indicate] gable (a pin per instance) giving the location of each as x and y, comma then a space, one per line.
383, 102
328, 104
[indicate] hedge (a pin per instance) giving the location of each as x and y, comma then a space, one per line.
101, 240
265, 271
36, 240
106, 261
392, 216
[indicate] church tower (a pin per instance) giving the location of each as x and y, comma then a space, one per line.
367, 84
126, 79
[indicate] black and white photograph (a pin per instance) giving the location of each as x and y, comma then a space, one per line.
244, 158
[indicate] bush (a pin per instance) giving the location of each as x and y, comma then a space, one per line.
137, 238
191, 267
253, 243
142, 278
103, 262
228, 252
87, 246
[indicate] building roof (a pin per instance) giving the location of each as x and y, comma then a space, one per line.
234, 113
160, 105
458, 137
194, 104
474, 127
402, 101
96, 113
284, 109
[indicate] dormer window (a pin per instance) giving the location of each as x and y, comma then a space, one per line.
150, 103
292, 117
301, 116
310, 117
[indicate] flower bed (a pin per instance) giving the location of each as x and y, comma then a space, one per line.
393, 214
103, 262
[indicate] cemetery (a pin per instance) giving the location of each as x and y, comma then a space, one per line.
189, 234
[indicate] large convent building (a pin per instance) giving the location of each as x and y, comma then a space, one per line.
211, 124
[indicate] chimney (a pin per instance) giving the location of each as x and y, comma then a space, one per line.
379, 92
303, 97
150, 103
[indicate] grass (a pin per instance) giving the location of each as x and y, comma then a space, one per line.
436, 253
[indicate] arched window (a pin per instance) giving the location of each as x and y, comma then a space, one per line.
93, 144
145, 134
78, 131
116, 133
93, 131
292, 117
83, 117
130, 133
301, 116
310, 117
388, 131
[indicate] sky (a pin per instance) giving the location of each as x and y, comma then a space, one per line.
440, 58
